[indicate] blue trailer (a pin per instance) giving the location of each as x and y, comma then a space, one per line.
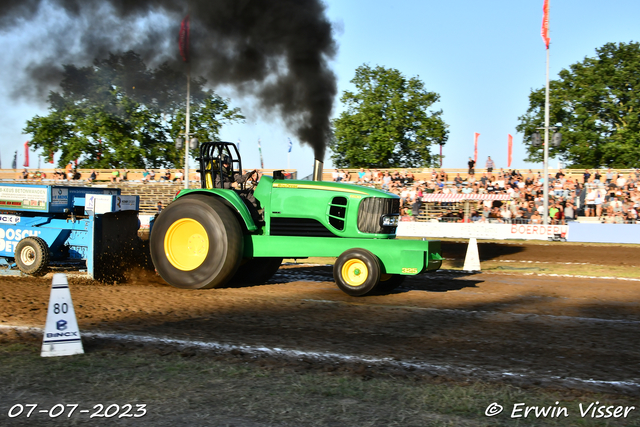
85, 228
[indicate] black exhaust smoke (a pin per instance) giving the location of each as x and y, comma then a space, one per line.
274, 50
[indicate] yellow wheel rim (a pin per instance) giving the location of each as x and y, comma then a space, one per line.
354, 272
186, 244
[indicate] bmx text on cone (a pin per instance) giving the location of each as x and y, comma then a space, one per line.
472, 258
61, 333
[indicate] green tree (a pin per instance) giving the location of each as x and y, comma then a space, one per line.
387, 122
595, 105
118, 113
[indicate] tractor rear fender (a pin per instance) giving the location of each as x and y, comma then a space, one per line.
229, 198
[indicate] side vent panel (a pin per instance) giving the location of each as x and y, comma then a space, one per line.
337, 212
304, 227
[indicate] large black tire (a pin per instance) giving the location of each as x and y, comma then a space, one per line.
388, 282
256, 271
357, 272
196, 243
32, 256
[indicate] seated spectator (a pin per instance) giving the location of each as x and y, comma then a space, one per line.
25, 174
125, 175
166, 176
115, 176
361, 175
178, 176
152, 175
145, 176
93, 176
536, 218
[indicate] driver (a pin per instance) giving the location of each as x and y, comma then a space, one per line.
246, 195
227, 179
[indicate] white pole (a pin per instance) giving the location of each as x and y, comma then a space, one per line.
545, 216
186, 134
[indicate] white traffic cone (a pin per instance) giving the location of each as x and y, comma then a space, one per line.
472, 259
61, 334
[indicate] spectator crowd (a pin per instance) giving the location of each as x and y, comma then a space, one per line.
610, 196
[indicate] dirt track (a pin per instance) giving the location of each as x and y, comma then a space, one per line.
522, 329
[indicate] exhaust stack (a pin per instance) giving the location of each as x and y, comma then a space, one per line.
317, 170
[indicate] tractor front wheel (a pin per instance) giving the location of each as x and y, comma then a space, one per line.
357, 272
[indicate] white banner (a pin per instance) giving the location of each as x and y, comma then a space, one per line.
481, 230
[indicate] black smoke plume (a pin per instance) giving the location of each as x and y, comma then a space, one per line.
274, 50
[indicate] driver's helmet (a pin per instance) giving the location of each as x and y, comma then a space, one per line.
226, 164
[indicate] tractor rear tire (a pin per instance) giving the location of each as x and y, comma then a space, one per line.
256, 271
32, 256
196, 243
357, 272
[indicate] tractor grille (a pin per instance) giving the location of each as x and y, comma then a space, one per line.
370, 211
299, 227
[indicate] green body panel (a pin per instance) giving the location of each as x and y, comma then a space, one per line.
397, 256
230, 196
312, 200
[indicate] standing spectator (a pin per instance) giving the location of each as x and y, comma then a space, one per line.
386, 181
472, 165
609, 176
415, 207
585, 176
159, 207
69, 171
490, 164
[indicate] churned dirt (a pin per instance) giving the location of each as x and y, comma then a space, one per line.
522, 329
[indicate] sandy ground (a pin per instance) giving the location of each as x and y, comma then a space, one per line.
526, 330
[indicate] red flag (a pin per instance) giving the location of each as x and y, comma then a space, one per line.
51, 156
510, 151
475, 147
26, 154
545, 23
184, 39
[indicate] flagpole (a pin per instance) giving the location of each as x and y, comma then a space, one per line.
186, 134
545, 216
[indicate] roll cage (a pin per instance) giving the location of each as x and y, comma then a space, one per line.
211, 158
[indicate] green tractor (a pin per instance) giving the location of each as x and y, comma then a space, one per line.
210, 236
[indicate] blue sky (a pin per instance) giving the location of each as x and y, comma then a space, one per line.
482, 57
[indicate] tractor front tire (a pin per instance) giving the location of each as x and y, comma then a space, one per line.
32, 256
357, 272
196, 243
